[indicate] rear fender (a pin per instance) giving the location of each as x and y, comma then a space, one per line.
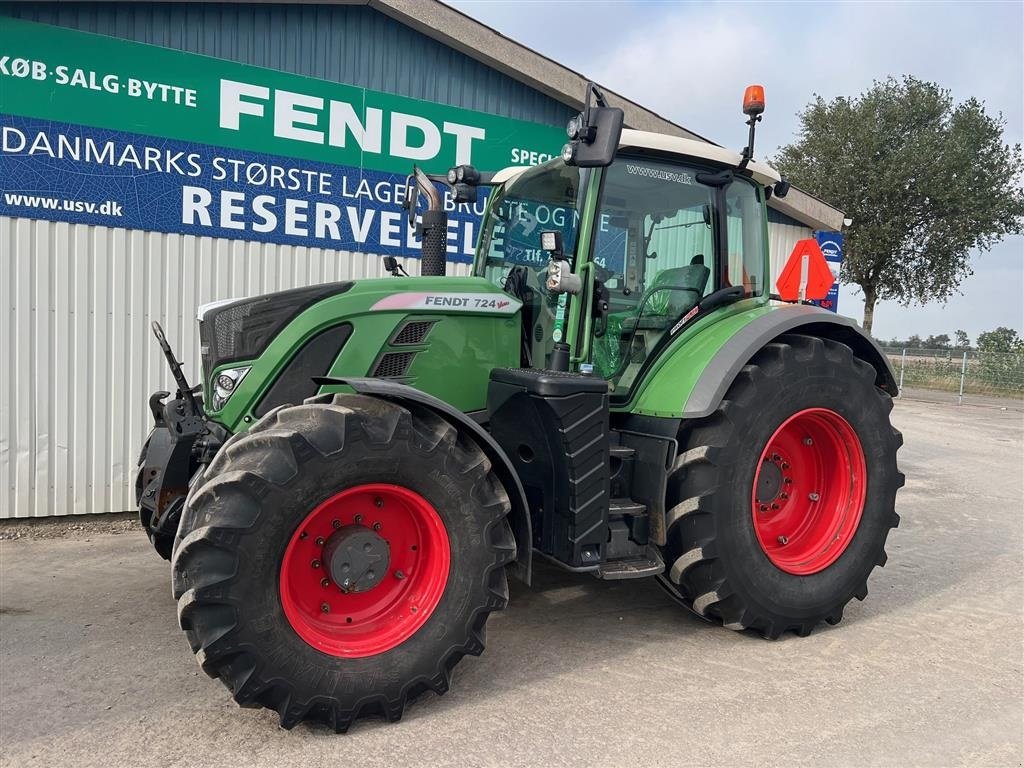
704, 371
519, 517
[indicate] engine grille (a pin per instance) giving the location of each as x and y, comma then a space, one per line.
242, 329
393, 365
413, 332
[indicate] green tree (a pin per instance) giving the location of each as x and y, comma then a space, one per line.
926, 182
963, 341
1001, 360
1002, 339
937, 342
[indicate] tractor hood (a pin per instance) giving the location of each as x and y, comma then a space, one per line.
422, 331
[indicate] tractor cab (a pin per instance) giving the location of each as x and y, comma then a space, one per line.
652, 236
615, 251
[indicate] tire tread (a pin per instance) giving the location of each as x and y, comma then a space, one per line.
270, 454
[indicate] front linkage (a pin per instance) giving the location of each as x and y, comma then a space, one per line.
180, 442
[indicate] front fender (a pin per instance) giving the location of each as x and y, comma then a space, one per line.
519, 517
695, 372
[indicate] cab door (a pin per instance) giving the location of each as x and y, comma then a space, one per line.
654, 252
666, 234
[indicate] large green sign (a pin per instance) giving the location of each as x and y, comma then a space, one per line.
64, 75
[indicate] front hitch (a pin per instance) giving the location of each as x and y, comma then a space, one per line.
176, 447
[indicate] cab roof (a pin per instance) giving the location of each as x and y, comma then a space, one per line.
702, 150
674, 145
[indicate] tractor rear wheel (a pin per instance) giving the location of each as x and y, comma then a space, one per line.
340, 557
781, 500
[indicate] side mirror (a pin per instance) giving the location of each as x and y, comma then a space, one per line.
594, 133
781, 188
394, 266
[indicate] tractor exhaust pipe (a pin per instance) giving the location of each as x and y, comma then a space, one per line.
433, 229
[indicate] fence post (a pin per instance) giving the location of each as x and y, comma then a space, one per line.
903, 364
963, 374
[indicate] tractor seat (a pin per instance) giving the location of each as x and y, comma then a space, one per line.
677, 289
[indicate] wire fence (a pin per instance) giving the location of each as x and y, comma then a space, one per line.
962, 372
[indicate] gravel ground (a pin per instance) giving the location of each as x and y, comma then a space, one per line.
927, 671
80, 526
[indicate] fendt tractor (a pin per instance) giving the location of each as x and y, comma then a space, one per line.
616, 390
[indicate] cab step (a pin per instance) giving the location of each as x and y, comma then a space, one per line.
648, 564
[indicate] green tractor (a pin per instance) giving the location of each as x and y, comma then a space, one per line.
613, 390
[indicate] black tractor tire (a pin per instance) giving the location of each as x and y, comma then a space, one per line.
242, 514
716, 562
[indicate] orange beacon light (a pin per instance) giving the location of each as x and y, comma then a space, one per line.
753, 100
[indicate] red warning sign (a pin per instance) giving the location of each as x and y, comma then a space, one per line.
805, 269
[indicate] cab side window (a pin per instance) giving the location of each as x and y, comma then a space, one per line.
745, 237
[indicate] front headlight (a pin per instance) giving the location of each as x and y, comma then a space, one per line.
225, 384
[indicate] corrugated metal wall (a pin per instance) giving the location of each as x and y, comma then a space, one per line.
76, 301
81, 362
80, 358
351, 44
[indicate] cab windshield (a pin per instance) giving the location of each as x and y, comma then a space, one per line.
547, 197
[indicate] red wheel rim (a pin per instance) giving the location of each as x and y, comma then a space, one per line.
380, 611
809, 490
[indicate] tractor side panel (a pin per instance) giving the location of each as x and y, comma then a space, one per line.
454, 359
692, 376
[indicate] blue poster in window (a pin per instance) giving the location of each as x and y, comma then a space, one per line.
831, 244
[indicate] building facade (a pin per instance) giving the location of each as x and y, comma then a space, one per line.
157, 156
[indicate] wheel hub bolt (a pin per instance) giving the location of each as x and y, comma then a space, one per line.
358, 519
783, 495
775, 506
319, 541
325, 608
303, 535
376, 526
399, 575
324, 582
808, 441
813, 496
378, 502
788, 481
336, 523
315, 564
785, 465
764, 507
783, 540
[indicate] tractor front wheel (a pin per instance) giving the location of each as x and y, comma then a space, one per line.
340, 557
781, 501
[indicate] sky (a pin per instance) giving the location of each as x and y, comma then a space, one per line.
690, 62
